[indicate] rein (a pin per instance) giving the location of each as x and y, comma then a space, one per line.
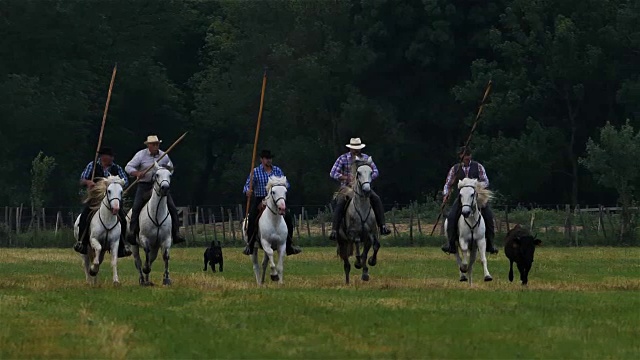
359, 187
153, 219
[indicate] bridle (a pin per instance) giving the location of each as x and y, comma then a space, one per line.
275, 201
157, 189
108, 205
474, 209
361, 184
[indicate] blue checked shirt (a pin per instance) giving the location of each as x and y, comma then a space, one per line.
342, 166
86, 174
260, 179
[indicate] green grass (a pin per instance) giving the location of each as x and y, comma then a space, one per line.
580, 303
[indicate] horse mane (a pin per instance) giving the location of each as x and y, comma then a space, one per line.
275, 180
96, 193
484, 195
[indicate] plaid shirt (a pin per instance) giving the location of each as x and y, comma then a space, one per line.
86, 174
342, 166
260, 179
452, 175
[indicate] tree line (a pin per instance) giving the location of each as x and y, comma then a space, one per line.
406, 76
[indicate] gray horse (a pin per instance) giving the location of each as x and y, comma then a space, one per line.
359, 225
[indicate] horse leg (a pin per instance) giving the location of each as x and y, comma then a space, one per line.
153, 255
510, 270
373, 260
358, 264
463, 277
114, 261
265, 262
472, 259
482, 248
347, 268
97, 248
85, 267
165, 256
365, 269
282, 253
138, 262
256, 267
272, 264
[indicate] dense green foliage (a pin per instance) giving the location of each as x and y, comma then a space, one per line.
404, 75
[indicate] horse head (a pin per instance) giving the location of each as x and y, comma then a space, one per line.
162, 180
363, 175
468, 196
114, 193
277, 192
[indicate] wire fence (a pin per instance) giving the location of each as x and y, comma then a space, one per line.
411, 224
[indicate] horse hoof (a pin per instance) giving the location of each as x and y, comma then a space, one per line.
146, 270
166, 281
149, 283
275, 277
365, 277
488, 278
372, 262
463, 278
93, 273
116, 283
142, 282
357, 264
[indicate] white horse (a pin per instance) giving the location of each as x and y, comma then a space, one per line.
471, 228
360, 221
272, 231
104, 227
155, 228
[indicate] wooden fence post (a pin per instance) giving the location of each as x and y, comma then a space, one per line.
58, 217
306, 218
506, 217
224, 232
411, 225
231, 227
212, 218
321, 218
204, 227
567, 224
393, 222
418, 217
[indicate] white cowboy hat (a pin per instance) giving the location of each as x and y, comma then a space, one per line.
152, 139
355, 143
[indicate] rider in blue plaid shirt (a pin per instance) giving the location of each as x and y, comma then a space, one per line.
105, 168
261, 175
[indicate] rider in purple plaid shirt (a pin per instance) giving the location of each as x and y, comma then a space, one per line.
341, 171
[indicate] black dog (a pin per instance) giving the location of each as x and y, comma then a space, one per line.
212, 256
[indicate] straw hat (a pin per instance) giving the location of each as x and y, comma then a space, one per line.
152, 139
355, 143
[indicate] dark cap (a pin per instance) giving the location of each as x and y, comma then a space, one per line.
266, 154
464, 150
105, 150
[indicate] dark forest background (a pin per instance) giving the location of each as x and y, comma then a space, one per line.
406, 76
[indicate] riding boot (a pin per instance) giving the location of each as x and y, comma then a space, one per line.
378, 210
490, 233
81, 245
338, 214
291, 250
248, 249
123, 247
450, 246
175, 221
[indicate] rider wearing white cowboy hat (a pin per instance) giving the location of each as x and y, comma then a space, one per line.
474, 170
136, 167
341, 171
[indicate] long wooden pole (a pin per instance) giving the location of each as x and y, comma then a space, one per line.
151, 166
255, 142
466, 143
104, 119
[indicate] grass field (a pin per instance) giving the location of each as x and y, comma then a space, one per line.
580, 303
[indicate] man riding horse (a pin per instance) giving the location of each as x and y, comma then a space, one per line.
104, 168
261, 175
341, 171
142, 160
474, 170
